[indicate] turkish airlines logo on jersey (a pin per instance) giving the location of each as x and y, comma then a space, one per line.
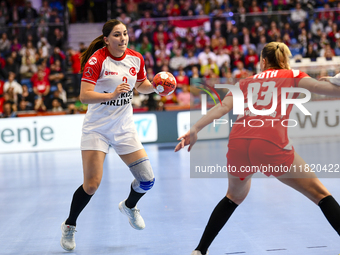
132, 71
93, 61
88, 72
110, 73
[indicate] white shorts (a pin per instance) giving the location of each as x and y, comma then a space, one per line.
122, 144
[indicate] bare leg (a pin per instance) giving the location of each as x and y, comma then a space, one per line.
305, 182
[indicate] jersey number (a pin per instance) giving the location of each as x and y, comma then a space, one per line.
254, 89
124, 79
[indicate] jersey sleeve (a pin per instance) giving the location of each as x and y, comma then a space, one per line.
92, 69
298, 75
141, 75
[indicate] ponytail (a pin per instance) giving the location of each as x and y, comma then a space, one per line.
98, 43
95, 45
277, 55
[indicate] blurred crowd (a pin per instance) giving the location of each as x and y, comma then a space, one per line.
38, 72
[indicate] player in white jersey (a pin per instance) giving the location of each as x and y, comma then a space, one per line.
110, 72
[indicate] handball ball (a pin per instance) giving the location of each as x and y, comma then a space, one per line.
165, 83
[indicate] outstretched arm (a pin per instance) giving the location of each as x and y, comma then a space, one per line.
216, 112
145, 87
329, 86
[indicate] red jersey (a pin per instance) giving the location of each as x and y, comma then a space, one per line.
268, 127
41, 85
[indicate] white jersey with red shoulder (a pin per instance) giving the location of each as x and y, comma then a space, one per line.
267, 127
106, 72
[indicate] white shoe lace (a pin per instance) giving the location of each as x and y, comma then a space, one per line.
69, 232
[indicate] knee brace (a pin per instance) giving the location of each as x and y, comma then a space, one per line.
144, 177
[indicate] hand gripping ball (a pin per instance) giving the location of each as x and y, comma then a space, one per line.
165, 83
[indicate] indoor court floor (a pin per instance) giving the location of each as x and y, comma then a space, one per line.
36, 191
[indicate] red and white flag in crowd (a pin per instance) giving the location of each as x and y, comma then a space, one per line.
181, 26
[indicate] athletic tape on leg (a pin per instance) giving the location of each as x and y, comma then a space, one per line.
144, 177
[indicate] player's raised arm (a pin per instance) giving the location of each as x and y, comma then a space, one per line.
216, 112
329, 86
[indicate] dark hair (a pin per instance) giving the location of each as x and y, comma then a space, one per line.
98, 43
277, 55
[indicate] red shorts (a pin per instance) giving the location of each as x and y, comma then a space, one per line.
248, 156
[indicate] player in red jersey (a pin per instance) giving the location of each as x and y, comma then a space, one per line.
110, 72
267, 144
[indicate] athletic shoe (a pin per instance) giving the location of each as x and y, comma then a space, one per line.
195, 252
135, 219
67, 237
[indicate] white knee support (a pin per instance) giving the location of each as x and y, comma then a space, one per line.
144, 177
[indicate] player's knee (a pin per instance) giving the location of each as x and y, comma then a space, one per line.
91, 187
144, 177
236, 198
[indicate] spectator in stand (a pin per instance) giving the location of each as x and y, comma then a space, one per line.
327, 49
182, 79
159, 11
29, 14
298, 15
261, 44
45, 46
274, 33
337, 47
11, 66
162, 49
56, 106
132, 10
211, 65
82, 47
41, 86
316, 25
8, 110
178, 60
222, 57
183, 97
123, 18
254, 8
42, 29
326, 14
217, 40
332, 36
15, 46
328, 27
44, 69
240, 72
56, 75
192, 60
145, 46
81, 10
27, 96
74, 60
28, 67
57, 39
45, 10
148, 60
2, 20
5, 45
24, 106
14, 15
233, 34
160, 36
57, 55
204, 55
251, 60
303, 39
28, 50
288, 30
202, 40
13, 87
